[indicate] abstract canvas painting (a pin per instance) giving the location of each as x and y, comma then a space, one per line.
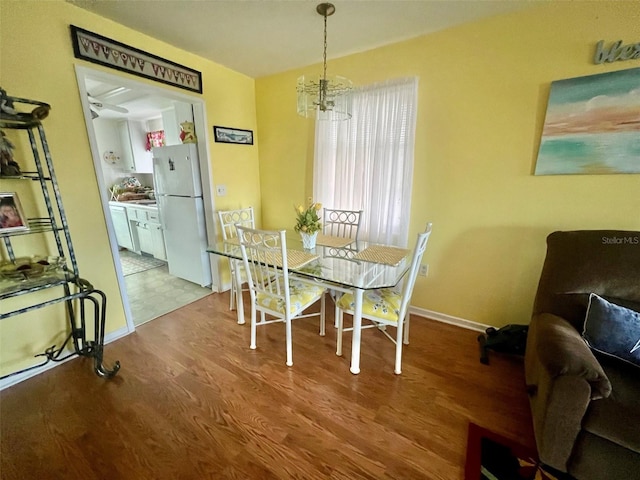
592, 125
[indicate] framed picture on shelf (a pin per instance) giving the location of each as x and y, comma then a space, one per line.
11, 214
233, 135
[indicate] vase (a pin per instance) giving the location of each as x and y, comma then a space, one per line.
308, 240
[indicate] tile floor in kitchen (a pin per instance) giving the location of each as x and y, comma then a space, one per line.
154, 292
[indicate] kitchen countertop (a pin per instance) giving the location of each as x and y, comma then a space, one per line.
136, 203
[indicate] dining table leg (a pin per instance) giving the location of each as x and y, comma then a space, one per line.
239, 299
357, 330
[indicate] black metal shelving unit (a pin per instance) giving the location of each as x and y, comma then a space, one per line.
83, 302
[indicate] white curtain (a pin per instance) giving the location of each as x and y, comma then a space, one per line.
367, 162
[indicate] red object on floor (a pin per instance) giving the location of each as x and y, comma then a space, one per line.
529, 464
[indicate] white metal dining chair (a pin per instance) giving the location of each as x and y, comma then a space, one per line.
273, 290
341, 223
228, 220
344, 224
387, 306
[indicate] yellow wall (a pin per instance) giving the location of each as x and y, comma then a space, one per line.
37, 62
483, 92
482, 100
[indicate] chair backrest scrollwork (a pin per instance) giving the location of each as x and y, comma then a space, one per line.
342, 223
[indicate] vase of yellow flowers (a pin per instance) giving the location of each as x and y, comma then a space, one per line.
308, 224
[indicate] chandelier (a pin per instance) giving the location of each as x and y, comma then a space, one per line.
326, 97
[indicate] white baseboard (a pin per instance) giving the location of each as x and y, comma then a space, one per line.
14, 379
450, 319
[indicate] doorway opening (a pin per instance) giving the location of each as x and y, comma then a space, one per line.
123, 118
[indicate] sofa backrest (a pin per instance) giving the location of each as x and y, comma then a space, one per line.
606, 262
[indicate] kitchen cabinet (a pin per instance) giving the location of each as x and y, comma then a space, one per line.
151, 240
135, 157
121, 226
145, 242
157, 239
146, 231
171, 120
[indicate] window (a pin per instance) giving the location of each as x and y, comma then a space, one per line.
367, 162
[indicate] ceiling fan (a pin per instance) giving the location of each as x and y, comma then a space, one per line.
99, 105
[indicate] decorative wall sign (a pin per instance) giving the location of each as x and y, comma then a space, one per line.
104, 51
616, 51
233, 135
592, 125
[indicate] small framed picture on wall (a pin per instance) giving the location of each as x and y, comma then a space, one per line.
233, 135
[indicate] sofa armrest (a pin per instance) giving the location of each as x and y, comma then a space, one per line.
561, 350
563, 377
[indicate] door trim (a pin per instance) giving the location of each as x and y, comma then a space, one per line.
200, 121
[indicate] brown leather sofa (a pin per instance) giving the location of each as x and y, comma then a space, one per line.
585, 405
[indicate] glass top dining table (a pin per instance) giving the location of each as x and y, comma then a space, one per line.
353, 268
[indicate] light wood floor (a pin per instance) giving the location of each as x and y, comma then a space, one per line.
192, 401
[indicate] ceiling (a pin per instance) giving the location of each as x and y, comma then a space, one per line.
264, 37
112, 100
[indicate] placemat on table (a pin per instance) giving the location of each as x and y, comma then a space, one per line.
331, 241
295, 258
382, 254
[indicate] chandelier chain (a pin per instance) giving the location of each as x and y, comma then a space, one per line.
324, 55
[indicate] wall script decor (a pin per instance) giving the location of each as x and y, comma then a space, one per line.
616, 51
104, 51
592, 125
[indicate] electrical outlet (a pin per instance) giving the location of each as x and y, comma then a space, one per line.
424, 270
221, 190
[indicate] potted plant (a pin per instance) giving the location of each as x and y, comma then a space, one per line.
308, 224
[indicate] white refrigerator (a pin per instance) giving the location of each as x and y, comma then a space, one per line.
178, 190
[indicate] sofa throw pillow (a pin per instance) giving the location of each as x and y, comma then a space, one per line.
612, 329
572, 306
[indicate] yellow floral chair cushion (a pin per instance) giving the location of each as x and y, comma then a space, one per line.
300, 294
382, 303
